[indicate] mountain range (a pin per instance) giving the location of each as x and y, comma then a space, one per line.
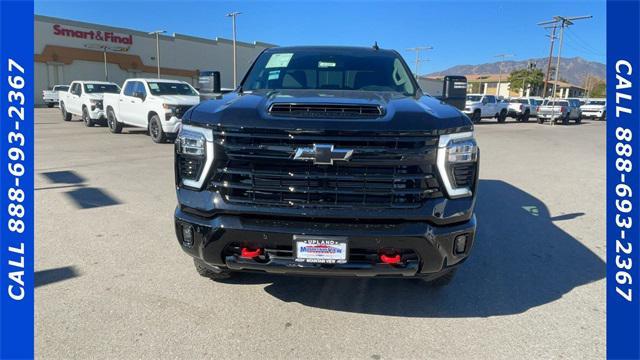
574, 70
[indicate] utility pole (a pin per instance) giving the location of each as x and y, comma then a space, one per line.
157, 34
552, 39
233, 16
563, 22
502, 56
417, 50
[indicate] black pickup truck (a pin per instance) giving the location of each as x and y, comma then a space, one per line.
327, 161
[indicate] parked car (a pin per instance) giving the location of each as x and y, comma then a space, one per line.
479, 106
595, 109
84, 98
153, 104
267, 175
562, 110
523, 108
51, 97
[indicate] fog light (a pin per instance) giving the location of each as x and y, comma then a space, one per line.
187, 235
460, 244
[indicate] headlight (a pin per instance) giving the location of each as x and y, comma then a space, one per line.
194, 155
458, 163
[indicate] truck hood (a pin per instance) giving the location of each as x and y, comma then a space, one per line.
400, 113
177, 99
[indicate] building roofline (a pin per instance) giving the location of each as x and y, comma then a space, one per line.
173, 37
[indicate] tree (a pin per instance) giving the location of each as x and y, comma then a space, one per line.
533, 78
595, 86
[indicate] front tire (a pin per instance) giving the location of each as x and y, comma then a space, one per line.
114, 126
65, 115
502, 117
476, 117
88, 121
205, 271
578, 119
604, 116
525, 117
50, 105
155, 130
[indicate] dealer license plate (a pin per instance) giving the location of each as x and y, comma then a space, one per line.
320, 249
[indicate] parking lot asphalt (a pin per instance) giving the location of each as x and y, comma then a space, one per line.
112, 282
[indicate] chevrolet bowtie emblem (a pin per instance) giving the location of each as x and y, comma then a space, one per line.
323, 154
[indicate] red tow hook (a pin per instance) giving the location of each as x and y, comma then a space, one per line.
393, 258
247, 253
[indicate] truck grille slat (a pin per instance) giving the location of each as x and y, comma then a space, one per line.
257, 168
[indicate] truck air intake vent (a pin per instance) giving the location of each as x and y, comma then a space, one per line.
326, 110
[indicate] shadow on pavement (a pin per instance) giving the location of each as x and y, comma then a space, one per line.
46, 277
520, 260
88, 197
63, 177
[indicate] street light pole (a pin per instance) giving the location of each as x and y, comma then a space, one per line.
106, 72
157, 34
502, 56
233, 15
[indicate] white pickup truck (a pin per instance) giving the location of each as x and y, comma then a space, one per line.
84, 98
50, 97
153, 104
479, 106
522, 109
595, 108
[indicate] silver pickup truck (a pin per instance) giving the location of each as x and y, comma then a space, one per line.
51, 97
562, 110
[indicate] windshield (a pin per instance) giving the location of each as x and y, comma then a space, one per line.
331, 70
101, 88
167, 88
596, 102
474, 98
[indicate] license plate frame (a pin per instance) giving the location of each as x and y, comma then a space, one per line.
321, 249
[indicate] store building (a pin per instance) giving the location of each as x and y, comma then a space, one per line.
67, 50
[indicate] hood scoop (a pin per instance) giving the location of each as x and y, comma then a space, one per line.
316, 110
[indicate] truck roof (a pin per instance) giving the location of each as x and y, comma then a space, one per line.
156, 80
333, 49
91, 81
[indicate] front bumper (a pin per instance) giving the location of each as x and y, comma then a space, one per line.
592, 114
97, 114
427, 250
172, 125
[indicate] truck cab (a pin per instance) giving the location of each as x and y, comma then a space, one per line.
153, 104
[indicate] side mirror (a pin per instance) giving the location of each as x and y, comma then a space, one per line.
139, 95
484, 101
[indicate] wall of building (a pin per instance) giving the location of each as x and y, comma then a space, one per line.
67, 50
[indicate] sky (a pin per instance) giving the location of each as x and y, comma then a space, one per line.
460, 32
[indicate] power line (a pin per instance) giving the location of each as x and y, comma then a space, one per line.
563, 22
417, 50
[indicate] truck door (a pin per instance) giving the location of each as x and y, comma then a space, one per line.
125, 103
138, 110
73, 100
490, 108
